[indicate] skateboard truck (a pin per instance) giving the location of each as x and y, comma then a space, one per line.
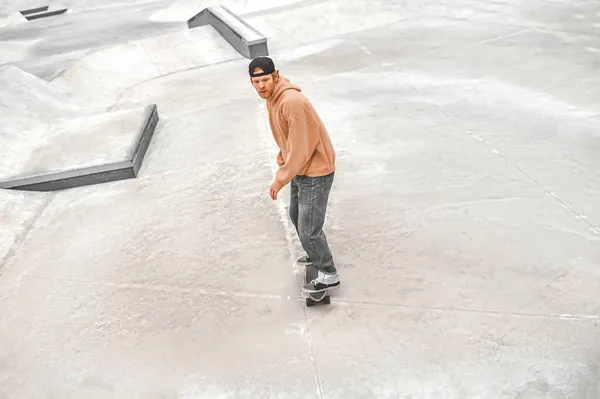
312, 300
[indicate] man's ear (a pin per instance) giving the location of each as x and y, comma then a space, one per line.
276, 75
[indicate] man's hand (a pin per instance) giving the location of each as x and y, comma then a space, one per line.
273, 191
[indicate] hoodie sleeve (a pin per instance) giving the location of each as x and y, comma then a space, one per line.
303, 137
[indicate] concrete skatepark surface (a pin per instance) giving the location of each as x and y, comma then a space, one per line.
464, 218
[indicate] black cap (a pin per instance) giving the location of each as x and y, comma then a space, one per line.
264, 63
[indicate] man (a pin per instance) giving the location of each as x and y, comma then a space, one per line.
306, 161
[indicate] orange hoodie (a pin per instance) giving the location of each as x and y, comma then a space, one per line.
304, 144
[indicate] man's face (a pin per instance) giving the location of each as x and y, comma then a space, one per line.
264, 85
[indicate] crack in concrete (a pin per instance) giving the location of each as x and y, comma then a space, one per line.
528, 176
17, 244
164, 288
504, 36
201, 291
287, 230
362, 47
160, 73
579, 317
492, 23
5, 261
459, 204
509, 162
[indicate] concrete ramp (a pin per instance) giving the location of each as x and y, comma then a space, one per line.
15, 50
188, 49
101, 77
12, 19
30, 97
79, 152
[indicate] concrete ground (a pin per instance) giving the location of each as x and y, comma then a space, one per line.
464, 218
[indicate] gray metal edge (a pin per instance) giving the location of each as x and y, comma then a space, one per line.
34, 10
235, 40
45, 14
200, 19
81, 181
145, 135
146, 116
68, 174
243, 22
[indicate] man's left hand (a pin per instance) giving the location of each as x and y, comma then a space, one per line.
273, 191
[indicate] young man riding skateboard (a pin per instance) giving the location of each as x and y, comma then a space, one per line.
306, 161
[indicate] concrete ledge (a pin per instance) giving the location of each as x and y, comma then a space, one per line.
35, 10
145, 133
245, 39
45, 14
95, 174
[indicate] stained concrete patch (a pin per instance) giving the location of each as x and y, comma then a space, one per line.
18, 212
12, 19
84, 151
122, 341
428, 353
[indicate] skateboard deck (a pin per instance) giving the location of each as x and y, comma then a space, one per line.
310, 273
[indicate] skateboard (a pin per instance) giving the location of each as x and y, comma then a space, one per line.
310, 273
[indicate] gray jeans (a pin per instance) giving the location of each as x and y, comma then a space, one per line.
308, 204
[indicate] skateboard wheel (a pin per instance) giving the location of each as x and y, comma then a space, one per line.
327, 300
309, 302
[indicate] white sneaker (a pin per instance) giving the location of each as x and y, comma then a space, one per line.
323, 282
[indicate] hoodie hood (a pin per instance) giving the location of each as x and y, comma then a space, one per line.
280, 87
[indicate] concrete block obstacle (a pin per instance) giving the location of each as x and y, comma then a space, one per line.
42, 12
244, 38
90, 150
